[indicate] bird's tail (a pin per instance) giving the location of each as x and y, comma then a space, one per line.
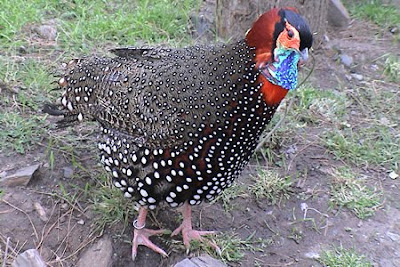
80, 84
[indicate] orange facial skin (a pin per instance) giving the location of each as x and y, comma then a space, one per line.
261, 37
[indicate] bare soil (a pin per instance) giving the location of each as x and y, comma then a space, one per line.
69, 229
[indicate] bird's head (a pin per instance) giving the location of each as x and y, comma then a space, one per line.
281, 38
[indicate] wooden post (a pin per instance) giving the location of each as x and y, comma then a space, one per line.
235, 17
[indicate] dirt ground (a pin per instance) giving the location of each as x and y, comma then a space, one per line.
292, 234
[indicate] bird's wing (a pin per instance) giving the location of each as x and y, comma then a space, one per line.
140, 52
166, 96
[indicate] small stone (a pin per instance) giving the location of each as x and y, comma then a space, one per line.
303, 206
346, 60
394, 30
201, 261
312, 255
22, 50
21, 177
42, 213
29, 258
374, 67
64, 206
394, 237
208, 261
393, 175
81, 222
185, 263
385, 121
47, 32
358, 77
99, 254
68, 172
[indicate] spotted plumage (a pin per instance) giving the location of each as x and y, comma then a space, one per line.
179, 125
176, 124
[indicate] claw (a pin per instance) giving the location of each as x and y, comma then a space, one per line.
188, 234
141, 235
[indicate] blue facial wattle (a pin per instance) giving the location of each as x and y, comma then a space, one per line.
283, 71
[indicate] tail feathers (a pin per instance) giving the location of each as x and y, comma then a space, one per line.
79, 83
57, 110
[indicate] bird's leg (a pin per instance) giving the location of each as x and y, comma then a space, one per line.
141, 235
188, 233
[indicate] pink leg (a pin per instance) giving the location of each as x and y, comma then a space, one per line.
141, 235
188, 233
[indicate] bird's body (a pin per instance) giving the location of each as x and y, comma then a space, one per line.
176, 126
179, 125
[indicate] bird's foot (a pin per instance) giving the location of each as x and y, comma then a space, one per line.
188, 234
141, 237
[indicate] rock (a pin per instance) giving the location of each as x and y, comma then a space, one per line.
47, 32
185, 263
393, 175
81, 222
337, 14
312, 255
29, 258
394, 237
102, 249
346, 60
42, 213
201, 261
68, 172
208, 261
21, 177
394, 30
358, 77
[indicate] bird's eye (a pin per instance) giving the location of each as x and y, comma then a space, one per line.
290, 33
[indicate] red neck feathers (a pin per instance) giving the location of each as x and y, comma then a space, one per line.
261, 36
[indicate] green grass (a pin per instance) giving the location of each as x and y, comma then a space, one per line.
312, 107
351, 192
339, 257
392, 68
373, 144
20, 133
232, 246
29, 79
83, 25
271, 186
229, 194
376, 11
110, 206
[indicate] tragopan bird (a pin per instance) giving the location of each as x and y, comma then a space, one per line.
178, 125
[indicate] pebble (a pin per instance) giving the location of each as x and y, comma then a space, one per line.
41, 211
312, 255
68, 172
81, 222
21, 177
201, 261
98, 254
393, 175
346, 60
29, 258
47, 32
394, 237
358, 77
